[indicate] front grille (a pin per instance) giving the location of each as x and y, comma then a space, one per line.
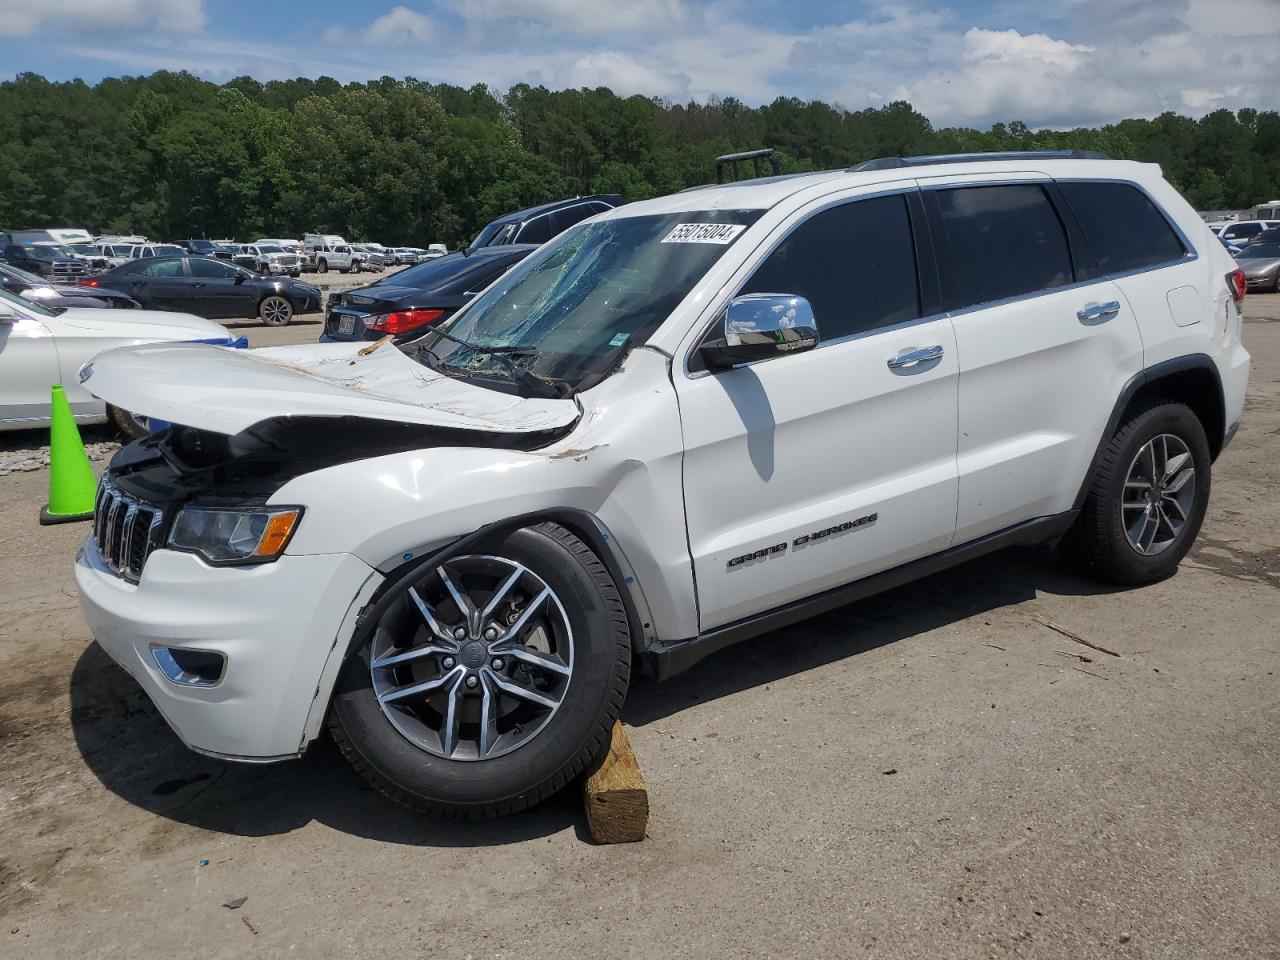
125, 529
68, 268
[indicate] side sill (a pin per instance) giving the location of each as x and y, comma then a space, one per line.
674, 657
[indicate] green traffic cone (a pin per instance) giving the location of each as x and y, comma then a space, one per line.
71, 483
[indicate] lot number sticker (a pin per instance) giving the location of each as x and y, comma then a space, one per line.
704, 233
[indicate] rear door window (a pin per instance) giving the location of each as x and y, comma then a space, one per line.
212, 269
163, 268
537, 230
1000, 242
854, 263
1124, 229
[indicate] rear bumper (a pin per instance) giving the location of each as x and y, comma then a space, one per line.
275, 624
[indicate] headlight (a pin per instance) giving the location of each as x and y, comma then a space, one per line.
235, 536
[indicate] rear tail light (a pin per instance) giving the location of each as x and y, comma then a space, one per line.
402, 321
90, 283
1239, 286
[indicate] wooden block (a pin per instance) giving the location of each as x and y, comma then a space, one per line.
615, 796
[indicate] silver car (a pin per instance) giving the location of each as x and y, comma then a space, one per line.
1261, 265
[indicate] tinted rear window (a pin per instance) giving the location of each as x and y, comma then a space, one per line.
454, 270
1123, 227
1001, 242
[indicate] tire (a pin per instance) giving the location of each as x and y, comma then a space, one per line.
394, 746
322, 266
295, 274
355, 266
1103, 538
132, 425
275, 311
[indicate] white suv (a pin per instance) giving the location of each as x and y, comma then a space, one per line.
679, 424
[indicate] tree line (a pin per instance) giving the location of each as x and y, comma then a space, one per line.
407, 162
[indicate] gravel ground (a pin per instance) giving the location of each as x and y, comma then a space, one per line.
932, 773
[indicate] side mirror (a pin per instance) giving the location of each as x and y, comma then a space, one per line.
240, 278
761, 325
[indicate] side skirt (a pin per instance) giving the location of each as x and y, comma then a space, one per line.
673, 657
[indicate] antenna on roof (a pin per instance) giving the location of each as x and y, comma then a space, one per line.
755, 156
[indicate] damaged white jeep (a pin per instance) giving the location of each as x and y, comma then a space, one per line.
682, 423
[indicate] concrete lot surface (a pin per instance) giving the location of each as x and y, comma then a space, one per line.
932, 773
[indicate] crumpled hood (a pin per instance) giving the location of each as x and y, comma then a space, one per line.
227, 391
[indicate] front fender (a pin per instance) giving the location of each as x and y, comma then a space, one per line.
618, 472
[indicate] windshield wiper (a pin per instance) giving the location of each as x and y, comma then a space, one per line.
503, 354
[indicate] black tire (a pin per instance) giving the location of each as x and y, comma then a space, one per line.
322, 265
1098, 541
130, 424
551, 758
275, 310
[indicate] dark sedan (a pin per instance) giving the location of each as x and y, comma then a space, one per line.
404, 304
36, 288
210, 288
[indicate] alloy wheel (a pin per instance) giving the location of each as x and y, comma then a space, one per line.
276, 311
477, 660
1159, 491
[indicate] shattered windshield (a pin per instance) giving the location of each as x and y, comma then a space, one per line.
568, 313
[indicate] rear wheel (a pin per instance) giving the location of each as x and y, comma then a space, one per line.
492, 681
1148, 496
275, 311
322, 266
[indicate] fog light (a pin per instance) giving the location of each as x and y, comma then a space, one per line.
190, 668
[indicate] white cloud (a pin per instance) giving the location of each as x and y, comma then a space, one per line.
22, 18
574, 17
622, 73
399, 25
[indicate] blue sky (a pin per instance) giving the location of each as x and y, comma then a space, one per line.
971, 62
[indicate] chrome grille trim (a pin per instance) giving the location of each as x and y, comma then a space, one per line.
125, 529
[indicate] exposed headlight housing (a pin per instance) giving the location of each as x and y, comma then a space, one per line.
234, 536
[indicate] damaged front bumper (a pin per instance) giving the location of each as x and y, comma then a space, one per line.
280, 628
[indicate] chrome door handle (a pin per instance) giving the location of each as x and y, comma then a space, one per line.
1096, 312
915, 355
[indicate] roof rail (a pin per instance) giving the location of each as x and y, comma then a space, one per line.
894, 163
755, 156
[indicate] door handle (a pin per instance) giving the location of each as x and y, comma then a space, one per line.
914, 356
1098, 312
197, 283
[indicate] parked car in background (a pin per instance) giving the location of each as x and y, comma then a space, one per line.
539, 224
1270, 235
370, 258
405, 304
1243, 231
436, 250
115, 253
34, 287
40, 346
404, 255
95, 260
1261, 265
205, 248
268, 258
144, 251
211, 288
47, 259
331, 252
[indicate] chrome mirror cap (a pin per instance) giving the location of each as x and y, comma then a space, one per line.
762, 325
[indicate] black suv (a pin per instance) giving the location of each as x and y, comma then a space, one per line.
539, 224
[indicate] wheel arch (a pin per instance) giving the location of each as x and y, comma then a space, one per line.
582, 524
1193, 380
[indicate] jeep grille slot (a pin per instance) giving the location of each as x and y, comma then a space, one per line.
125, 530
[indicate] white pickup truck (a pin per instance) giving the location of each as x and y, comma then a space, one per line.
330, 251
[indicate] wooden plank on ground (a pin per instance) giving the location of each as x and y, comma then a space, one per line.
615, 796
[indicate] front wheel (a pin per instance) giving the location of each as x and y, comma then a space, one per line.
1148, 496
275, 311
491, 682
132, 425
322, 266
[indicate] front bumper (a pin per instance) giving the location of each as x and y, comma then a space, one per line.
276, 624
